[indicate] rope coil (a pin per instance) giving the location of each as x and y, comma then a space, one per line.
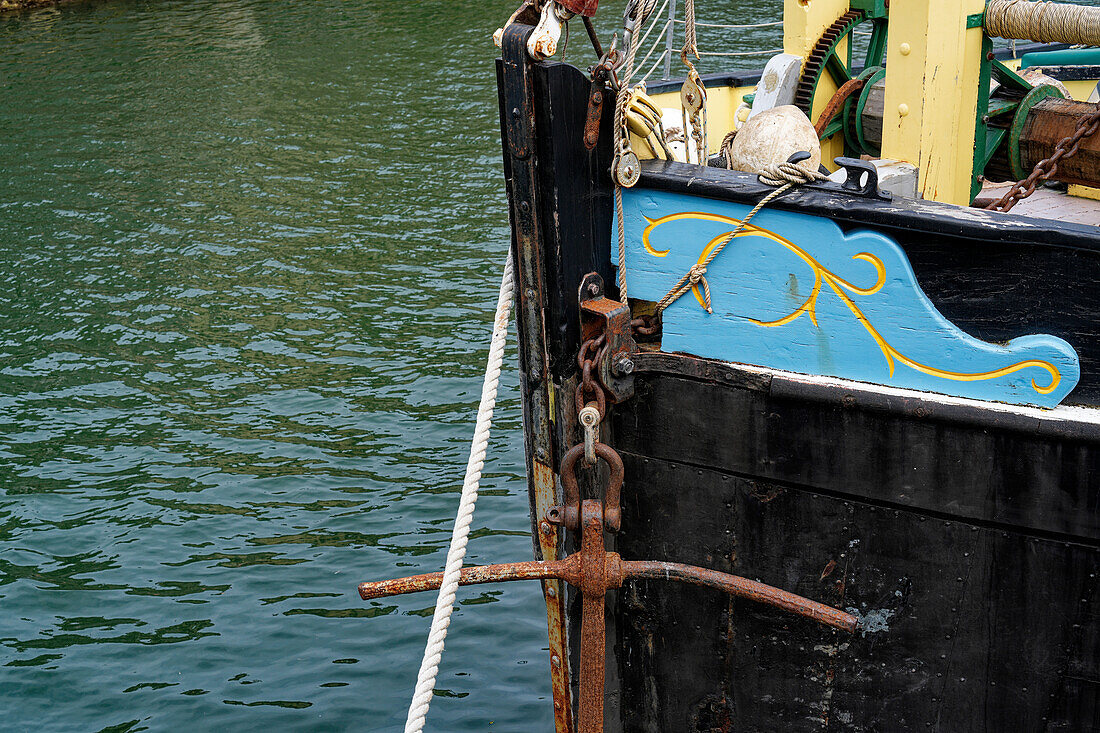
445, 602
1043, 22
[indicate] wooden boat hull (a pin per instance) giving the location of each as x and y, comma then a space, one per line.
965, 534
968, 548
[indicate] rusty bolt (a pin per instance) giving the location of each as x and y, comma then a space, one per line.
545, 528
623, 366
597, 97
555, 661
593, 289
551, 591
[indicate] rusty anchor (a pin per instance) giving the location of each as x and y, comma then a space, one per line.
594, 571
606, 370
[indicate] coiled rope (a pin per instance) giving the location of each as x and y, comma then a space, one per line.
444, 605
784, 175
1043, 22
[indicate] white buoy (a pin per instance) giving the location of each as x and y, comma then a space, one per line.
772, 137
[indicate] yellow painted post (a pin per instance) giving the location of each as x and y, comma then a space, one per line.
804, 22
933, 64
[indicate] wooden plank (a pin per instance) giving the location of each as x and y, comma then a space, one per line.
794, 291
966, 627
1042, 486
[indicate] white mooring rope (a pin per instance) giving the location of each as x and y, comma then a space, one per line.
444, 604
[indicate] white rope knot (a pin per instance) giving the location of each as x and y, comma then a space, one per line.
695, 274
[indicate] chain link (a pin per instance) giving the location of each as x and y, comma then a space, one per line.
647, 325
1045, 169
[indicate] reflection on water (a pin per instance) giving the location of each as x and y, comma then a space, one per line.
249, 253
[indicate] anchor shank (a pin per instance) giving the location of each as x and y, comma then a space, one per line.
738, 586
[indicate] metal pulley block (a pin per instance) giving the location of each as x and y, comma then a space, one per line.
693, 101
627, 168
693, 95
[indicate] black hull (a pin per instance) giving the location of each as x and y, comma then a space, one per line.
967, 536
969, 550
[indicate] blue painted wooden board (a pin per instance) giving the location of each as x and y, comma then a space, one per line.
794, 292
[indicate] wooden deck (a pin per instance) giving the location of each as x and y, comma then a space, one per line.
1047, 203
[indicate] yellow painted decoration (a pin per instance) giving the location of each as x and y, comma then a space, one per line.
845, 290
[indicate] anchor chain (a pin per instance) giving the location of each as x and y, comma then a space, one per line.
1067, 147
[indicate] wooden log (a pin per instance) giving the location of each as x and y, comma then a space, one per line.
1051, 121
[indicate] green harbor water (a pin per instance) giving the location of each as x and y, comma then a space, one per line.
249, 253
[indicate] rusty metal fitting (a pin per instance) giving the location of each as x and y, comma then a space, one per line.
647, 325
568, 515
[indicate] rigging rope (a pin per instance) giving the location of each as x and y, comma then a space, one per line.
735, 27
1043, 22
690, 42
621, 134
784, 175
444, 605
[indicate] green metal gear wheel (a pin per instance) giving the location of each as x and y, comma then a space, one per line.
824, 58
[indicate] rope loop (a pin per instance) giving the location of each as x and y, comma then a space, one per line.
784, 173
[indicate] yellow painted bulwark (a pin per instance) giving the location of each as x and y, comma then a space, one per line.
933, 65
722, 104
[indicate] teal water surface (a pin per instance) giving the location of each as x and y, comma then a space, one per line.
249, 253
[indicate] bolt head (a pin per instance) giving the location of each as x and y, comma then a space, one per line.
624, 366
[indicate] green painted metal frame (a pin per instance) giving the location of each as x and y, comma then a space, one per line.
988, 139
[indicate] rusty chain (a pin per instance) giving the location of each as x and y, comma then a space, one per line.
647, 325
1067, 147
590, 391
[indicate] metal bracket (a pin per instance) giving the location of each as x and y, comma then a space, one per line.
595, 108
600, 314
855, 182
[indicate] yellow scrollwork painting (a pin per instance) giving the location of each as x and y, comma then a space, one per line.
849, 294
